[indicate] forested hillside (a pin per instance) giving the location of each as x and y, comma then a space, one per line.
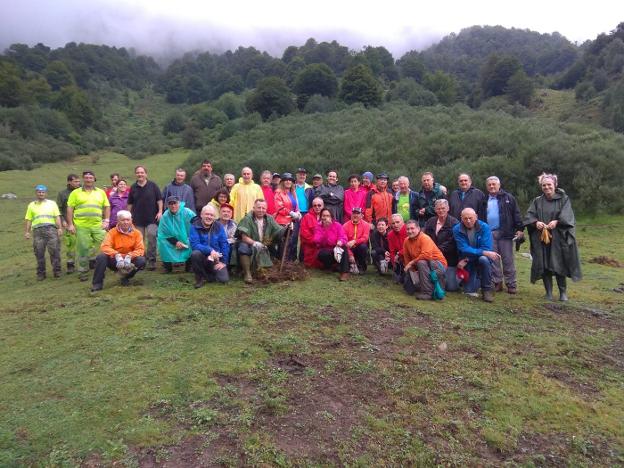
57, 103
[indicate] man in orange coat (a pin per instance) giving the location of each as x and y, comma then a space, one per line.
420, 256
379, 201
122, 250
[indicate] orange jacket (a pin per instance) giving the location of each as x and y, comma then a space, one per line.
117, 242
421, 248
378, 205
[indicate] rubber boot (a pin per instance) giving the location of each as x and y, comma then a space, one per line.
245, 261
561, 283
70, 267
548, 286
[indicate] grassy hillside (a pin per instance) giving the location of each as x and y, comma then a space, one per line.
302, 373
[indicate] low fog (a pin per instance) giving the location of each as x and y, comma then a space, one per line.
165, 29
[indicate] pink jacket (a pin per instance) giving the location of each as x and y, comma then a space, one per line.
328, 237
353, 199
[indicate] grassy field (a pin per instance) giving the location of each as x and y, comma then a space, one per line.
314, 372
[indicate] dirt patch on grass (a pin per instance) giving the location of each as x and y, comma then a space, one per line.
608, 261
554, 449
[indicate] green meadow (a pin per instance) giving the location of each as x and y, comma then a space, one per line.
304, 373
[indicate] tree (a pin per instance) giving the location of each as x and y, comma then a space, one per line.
271, 96
11, 86
495, 74
411, 66
58, 75
316, 78
75, 104
174, 123
520, 88
191, 136
443, 86
359, 85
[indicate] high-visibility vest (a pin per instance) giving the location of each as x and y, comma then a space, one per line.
88, 206
42, 213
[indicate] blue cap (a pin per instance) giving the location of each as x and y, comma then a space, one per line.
368, 175
41, 188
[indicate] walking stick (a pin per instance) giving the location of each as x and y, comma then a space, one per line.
285, 249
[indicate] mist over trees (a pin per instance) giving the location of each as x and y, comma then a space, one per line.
55, 103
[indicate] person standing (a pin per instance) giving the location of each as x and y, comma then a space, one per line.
406, 201
204, 184
287, 212
379, 200
244, 194
354, 197
146, 205
181, 190
44, 219
118, 201
465, 196
333, 195
268, 191
429, 193
88, 216
501, 212
69, 239
552, 230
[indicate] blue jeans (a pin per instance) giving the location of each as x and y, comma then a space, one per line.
480, 271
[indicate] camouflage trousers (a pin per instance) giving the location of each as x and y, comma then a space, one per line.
46, 237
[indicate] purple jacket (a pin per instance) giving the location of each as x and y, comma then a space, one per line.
117, 202
328, 237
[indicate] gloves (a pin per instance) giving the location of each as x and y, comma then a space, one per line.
120, 261
295, 215
258, 245
127, 261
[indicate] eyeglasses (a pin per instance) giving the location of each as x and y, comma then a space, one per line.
317, 205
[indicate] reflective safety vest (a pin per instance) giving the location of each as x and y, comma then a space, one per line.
88, 206
42, 213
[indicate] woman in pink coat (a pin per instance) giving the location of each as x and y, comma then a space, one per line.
330, 238
354, 196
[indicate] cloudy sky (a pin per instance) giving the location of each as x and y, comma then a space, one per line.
166, 27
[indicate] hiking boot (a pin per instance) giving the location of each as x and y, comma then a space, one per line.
488, 295
199, 282
471, 294
151, 265
91, 264
512, 290
57, 274
83, 276
423, 297
41, 276
70, 268
124, 281
343, 277
96, 287
498, 287
548, 286
245, 262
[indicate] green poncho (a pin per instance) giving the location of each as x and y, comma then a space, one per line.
173, 228
272, 233
561, 255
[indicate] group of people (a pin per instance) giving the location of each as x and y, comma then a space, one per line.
428, 240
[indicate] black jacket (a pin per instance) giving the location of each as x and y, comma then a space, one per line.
510, 218
379, 243
473, 198
444, 238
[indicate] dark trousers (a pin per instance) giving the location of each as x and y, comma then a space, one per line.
360, 253
203, 268
326, 257
102, 261
423, 283
46, 237
378, 255
480, 271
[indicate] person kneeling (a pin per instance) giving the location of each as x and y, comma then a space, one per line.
210, 248
122, 251
421, 256
260, 237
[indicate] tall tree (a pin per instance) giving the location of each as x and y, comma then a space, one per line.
272, 96
359, 85
316, 78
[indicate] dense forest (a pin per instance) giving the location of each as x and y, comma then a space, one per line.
56, 103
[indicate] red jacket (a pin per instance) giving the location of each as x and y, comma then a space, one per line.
283, 206
395, 242
269, 197
378, 205
306, 236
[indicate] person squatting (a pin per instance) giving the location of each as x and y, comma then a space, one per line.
428, 240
